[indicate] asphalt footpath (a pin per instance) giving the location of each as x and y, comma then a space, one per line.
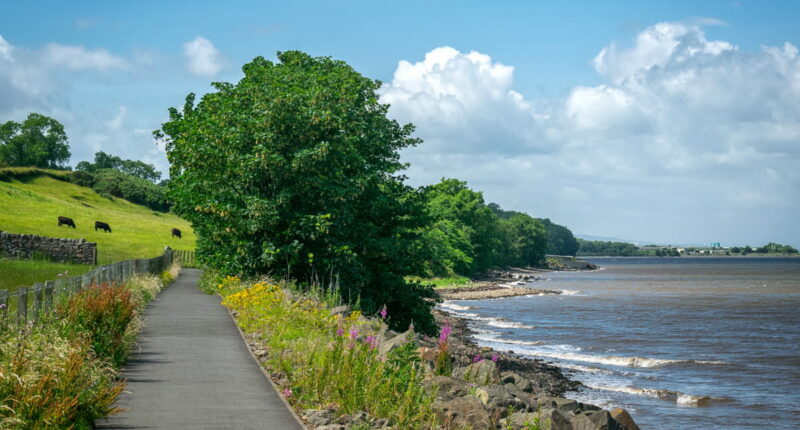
192, 370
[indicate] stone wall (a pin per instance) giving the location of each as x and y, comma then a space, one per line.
52, 248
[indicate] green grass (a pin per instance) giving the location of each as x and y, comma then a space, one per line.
31, 200
444, 283
23, 273
32, 205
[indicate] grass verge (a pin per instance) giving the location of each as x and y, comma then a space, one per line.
328, 361
63, 371
23, 273
444, 283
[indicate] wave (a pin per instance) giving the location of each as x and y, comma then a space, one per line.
491, 338
668, 395
455, 307
615, 360
570, 292
501, 323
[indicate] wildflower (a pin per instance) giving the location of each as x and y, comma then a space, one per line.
384, 312
287, 392
353, 334
340, 332
444, 334
3, 306
495, 357
477, 359
372, 341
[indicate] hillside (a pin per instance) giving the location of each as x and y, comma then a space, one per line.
32, 204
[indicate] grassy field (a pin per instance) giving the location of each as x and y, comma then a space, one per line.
32, 203
443, 283
23, 273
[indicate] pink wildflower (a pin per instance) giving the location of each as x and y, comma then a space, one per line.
477, 359
384, 312
444, 334
495, 357
287, 392
340, 332
353, 334
371, 341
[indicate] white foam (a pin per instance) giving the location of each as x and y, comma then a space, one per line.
570, 292
508, 341
454, 306
501, 323
613, 360
668, 395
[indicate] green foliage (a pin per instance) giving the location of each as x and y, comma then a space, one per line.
293, 171
19, 273
109, 182
39, 141
135, 168
526, 240
613, 249
330, 361
32, 205
560, 240
103, 311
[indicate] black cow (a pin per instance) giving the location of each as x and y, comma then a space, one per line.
176, 233
102, 226
62, 220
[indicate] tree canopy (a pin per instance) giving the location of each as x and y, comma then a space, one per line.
293, 171
39, 141
135, 168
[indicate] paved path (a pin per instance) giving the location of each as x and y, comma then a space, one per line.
193, 370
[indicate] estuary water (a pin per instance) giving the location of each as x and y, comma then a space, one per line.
689, 343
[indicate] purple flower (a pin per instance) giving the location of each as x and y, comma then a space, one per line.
477, 359
495, 357
353, 334
384, 312
339, 331
2, 306
287, 392
371, 341
445, 333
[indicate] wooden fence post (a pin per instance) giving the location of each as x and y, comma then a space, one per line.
49, 289
22, 305
37, 301
3, 305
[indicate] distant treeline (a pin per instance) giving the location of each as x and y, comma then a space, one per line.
131, 180
613, 249
623, 249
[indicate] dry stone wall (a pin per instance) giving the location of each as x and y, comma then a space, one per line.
52, 248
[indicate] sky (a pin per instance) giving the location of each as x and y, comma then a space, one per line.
672, 122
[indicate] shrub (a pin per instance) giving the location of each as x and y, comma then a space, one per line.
331, 360
48, 381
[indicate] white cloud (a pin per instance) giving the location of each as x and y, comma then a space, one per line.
681, 125
203, 58
5, 50
80, 58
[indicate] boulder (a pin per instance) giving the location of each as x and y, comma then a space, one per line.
594, 420
545, 419
391, 344
623, 418
331, 427
560, 403
462, 412
447, 388
483, 372
319, 417
523, 384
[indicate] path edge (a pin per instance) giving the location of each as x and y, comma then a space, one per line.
263, 370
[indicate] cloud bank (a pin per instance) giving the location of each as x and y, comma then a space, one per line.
687, 137
203, 59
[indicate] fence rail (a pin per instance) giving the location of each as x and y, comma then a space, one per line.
30, 303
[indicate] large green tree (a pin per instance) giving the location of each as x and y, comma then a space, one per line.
39, 141
135, 168
293, 171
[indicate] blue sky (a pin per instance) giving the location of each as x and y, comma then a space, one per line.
673, 121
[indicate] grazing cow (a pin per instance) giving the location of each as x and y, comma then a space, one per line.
176, 233
62, 220
102, 226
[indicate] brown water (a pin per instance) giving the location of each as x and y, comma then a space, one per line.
690, 343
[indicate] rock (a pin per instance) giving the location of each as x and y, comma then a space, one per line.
483, 372
545, 419
318, 417
340, 310
462, 412
381, 423
594, 420
560, 403
331, 427
357, 420
514, 378
623, 418
447, 388
427, 354
391, 344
